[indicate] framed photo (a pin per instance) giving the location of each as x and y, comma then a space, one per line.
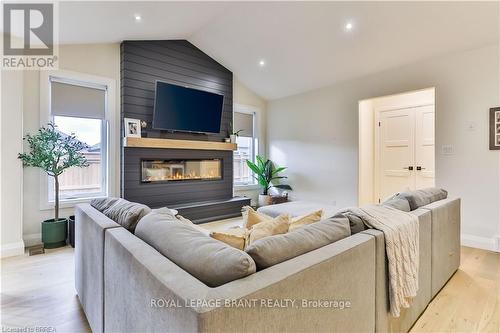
495, 128
132, 127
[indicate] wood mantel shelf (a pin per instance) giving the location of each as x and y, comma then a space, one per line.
177, 144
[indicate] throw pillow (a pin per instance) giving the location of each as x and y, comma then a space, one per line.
305, 219
278, 225
272, 250
235, 237
252, 217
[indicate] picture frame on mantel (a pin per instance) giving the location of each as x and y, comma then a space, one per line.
132, 127
495, 128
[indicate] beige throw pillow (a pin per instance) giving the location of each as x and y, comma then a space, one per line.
235, 237
305, 219
252, 217
276, 226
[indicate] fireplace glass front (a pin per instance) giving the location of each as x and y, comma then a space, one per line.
179, 170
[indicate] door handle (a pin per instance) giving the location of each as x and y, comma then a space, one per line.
419, 168
409, 168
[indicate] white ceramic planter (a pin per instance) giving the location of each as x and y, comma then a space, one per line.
264, 200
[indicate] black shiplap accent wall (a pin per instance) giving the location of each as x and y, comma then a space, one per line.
177, 62
172, 61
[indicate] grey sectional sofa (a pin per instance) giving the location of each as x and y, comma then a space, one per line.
123, 283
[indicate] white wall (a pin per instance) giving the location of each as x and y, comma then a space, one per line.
246, 97
11, 180
316, 135
95, 59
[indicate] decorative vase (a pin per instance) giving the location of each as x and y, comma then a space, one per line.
233, 138
54, 233
264, 200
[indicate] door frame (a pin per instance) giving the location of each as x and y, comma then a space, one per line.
397, 101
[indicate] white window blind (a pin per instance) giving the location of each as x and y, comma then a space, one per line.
70, 100
244, 122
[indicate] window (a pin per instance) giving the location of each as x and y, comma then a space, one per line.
80, 108
247, 146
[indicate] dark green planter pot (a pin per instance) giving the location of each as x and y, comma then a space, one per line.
54, 233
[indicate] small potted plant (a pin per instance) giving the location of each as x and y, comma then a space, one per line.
233, 134
265, 172
53, 152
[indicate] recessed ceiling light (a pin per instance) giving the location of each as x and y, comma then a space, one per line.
137, 17
349, 26
262, 63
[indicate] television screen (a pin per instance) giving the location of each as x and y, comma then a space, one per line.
179, 108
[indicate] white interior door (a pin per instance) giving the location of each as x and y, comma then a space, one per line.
396, 152
424, 147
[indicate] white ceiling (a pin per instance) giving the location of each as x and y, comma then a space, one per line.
305, 45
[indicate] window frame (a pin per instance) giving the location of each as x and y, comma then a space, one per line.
109, 132
254, 142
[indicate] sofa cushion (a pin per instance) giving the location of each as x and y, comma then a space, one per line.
278, 225
355, 223
272, 250
399, 203
423, 197
125, 213
209, 260
305, 219
297, 208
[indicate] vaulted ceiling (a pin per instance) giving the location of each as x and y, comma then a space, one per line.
304, 45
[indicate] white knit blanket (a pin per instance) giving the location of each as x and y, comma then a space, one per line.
401, 244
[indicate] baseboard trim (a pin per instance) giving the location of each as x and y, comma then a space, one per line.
485, 243
12, 249
32, 239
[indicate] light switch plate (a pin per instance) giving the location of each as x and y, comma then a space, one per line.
471, 126
447, 150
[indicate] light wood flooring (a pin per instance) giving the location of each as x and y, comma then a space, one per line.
38, 291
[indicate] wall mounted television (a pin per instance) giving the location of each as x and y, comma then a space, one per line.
178, 108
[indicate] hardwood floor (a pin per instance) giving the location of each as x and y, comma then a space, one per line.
470, 301
38, 291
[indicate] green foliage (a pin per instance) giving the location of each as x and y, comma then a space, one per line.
265, 172
231, 130
53, 151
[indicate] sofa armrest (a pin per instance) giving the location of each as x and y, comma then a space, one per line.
159, 295
145, 291
90, 227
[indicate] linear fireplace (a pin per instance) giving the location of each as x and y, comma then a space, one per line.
181, 170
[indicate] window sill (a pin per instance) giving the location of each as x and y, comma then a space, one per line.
246, 187
70, 203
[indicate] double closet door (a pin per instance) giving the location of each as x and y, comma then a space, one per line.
406, 150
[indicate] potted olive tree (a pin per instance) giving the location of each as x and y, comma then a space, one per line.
265, 172
53, 152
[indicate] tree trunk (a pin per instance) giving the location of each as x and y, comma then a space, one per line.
56, 197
